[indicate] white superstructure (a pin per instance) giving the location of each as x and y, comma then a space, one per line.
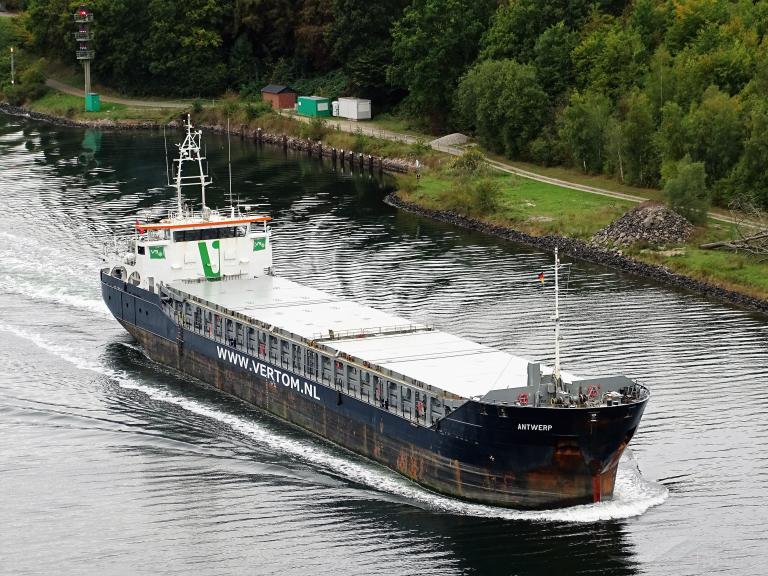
189, 244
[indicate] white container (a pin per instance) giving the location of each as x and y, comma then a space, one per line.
335, 106
355, 108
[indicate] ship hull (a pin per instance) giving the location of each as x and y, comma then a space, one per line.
524, 458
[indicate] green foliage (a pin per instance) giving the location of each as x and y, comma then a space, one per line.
473, 198
30, 84
331, 85
419, 148
503, 103
642, 167
361, 41
432, 45
517, 25
487, 195
583, 126
612, 86
552, 58
315, 129
610, 59
715, 131
686, 192
470, 163
750, 176
257, 109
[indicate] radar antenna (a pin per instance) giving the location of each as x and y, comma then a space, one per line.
189, 151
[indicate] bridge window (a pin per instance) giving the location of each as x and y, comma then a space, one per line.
239, 334
140, 250
209, 234
217, 326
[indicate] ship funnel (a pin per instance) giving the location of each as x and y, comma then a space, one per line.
534, 374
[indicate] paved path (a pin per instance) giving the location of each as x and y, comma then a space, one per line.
354, 127
61, 87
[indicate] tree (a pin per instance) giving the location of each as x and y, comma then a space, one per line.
432, 44
51, 25
504, 104
583, 126
639, 129
517, 25
312, 46
715, 132
649, 18
672, 138
183, 46
750, 177
361, 39
686, 192
552, 58
610, 59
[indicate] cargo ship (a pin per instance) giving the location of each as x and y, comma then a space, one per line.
198, 291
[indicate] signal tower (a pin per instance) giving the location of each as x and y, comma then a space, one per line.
85, 53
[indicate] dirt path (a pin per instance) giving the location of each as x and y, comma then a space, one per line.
61, 87
354, 127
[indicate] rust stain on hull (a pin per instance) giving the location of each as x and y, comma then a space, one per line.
564, 480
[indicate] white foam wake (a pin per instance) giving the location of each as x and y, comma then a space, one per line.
633, 494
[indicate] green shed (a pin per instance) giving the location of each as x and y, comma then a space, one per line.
313, 106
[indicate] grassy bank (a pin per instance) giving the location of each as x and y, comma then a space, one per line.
542, 209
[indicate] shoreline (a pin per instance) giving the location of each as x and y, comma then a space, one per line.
570, 246
311, 147
589, 253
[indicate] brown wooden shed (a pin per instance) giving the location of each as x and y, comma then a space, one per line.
279, 96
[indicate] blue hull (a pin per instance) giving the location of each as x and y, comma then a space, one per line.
527, 458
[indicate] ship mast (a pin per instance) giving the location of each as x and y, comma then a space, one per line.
556, 372
189, 151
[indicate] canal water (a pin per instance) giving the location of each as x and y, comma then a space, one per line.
111, 464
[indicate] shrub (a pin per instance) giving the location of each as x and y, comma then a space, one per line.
487, 195
470, 163
419, 149
256, 109
315, 129
686, 192
197, 106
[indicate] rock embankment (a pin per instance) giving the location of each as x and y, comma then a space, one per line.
589, 252
311, 147
650, 223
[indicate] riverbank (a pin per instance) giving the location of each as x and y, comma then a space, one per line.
545, 215
583, 250
355, 155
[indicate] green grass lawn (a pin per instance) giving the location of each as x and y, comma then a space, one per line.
534, 207
539, 209
66, 105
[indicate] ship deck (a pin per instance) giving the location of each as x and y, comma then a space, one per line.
414, 350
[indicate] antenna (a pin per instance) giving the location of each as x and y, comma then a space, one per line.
556, 373
229, 162
189, 151
165, 145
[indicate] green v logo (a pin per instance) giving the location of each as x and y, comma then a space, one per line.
206, 259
